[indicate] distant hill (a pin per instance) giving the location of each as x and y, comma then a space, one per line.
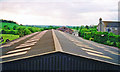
10, 23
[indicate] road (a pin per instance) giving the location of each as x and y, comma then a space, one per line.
44, 42
85, 48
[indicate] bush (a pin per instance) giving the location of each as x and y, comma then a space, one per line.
101, 37
32, 29
9, 32
110, 43
14, 27
27, 31
114, 38
87, 35
118, 44
91, 39
3, 31
82, 32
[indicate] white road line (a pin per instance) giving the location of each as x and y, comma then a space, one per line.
19, 50
94, 44
24, 45
83, 45
15, 54
92, 51
28, 43
72, 39
32, 40
116, 53
99, 55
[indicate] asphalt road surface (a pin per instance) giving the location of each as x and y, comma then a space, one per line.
43, 42
85, 48
37, 44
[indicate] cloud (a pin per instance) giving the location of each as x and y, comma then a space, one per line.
59, 12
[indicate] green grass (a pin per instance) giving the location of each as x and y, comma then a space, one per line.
8, 36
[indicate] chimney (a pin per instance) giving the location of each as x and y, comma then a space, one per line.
100, 20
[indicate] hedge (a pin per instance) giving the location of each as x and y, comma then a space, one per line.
100, 37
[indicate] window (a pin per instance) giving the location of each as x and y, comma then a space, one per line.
115, 28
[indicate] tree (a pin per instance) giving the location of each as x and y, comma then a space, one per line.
27, 31
21, 31
6, 27
3, 31
77, 28
21, 25
15, 27
87, 26
50, 27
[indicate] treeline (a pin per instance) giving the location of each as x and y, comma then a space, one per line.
11, 27
7, 21
92, 34
46, 27
20, 30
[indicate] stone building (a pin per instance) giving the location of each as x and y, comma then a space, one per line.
109, 26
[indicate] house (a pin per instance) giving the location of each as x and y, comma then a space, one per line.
65, 29
56, 50
109, 26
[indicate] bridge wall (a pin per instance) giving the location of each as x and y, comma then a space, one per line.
58, 61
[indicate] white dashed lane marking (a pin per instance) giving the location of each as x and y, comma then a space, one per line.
32, 40
112, 52
19, 50
92, 51
107, 57
25, 45
28, 43
15, 54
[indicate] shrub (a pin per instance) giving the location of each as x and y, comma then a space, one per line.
118, 44
27, 31
9, 32
91, 39
87, 35
14, 27
112, 37
110, 43
101, 37
32, 29
82, 32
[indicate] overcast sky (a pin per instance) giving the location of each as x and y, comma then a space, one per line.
59, 12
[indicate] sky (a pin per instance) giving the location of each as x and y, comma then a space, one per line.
59, 12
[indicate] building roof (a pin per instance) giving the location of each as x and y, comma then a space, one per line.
56, 41
112, 23
65, 29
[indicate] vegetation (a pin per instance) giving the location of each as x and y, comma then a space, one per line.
13, 30
7, 36
91, 33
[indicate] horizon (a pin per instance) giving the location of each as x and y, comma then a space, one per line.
60, 13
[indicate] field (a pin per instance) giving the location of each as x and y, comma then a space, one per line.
8, 36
